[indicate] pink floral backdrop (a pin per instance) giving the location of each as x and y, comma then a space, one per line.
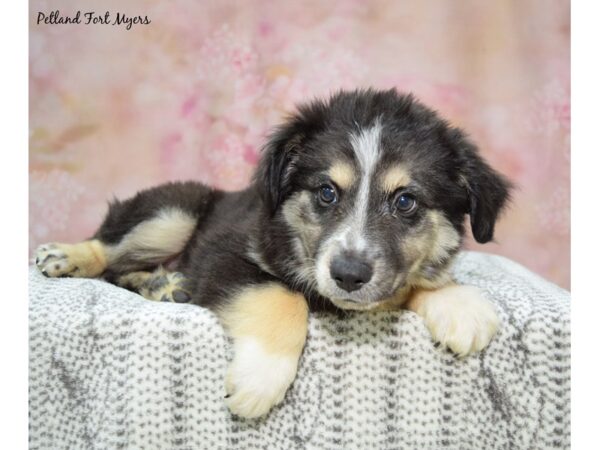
192, 95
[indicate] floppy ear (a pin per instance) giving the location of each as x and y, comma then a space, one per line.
487, 190
276, 167
279, 156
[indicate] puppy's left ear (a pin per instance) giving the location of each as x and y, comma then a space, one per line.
487, 190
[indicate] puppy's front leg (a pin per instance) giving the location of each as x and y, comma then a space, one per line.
458, 317
268, 323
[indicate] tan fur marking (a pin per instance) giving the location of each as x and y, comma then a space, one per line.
271, 314
395, 178
432, 247
85, 259
98, 252
447, 237
160, 237
342, 174
300, 217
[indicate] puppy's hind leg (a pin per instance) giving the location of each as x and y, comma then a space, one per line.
150, 243
137, 234
160, 285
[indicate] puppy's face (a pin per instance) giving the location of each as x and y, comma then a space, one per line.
372, 188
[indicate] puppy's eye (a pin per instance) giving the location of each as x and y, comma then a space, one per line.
406, 203
327, 194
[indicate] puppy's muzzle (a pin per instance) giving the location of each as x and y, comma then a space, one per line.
350, 272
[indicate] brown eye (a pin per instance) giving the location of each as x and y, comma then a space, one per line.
406, 203
327, 194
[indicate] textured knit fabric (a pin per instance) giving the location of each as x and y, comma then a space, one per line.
109, 369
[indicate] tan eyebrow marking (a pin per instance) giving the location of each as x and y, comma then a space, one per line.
394, 178
342, 174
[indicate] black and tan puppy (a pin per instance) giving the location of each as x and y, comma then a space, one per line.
358, 203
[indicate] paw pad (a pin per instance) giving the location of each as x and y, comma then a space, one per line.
166, 287
53, 261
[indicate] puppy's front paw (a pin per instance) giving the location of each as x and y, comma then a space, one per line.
459, 317
257, 380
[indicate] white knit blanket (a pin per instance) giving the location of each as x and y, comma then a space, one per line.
109, 369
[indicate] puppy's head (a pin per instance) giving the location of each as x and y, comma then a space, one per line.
372, 188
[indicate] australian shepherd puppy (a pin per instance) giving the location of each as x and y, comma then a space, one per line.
358, 203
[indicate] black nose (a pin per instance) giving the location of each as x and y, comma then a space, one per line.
350, 274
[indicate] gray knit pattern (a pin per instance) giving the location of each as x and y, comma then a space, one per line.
110, 370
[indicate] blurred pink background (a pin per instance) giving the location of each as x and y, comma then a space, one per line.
193, 94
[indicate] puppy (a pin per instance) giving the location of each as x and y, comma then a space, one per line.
358, 203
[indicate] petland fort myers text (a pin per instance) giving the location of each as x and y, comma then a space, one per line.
92, 18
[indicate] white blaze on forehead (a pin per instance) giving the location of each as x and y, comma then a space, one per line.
366, 146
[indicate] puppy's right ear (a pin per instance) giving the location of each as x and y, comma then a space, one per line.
277, 164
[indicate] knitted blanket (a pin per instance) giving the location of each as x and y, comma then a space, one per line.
109, 369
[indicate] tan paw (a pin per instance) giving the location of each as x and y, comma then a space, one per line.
257, 380
85, 259
459, 318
